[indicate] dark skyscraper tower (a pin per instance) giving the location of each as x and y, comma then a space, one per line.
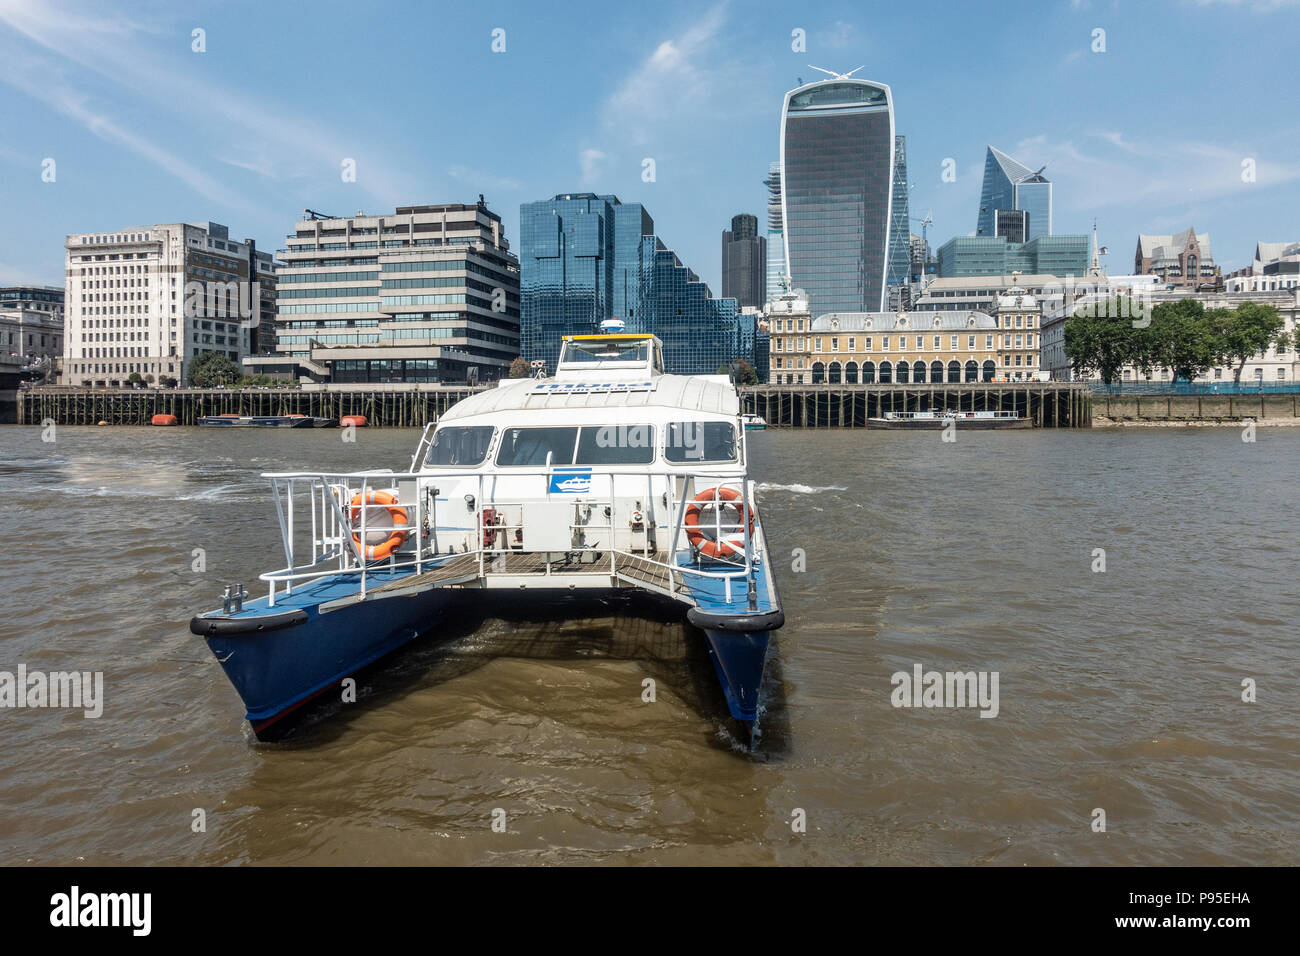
744, 262
838, 175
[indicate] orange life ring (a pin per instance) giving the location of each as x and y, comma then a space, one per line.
375, 552
721, 548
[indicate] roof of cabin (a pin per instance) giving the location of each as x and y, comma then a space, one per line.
711, 394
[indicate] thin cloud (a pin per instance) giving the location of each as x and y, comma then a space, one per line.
588, 161
1151, 171
291, 147
669, 82
20, 73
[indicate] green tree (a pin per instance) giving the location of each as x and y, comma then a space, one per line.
1103, 340
519, 368
212, 368
1246, 332
1183, 338
135, 378
740, 370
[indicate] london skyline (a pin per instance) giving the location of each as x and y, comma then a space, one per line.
142, 128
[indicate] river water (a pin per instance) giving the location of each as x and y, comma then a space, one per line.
1119, 690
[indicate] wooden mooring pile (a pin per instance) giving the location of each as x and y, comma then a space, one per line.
410, 407
1048, 404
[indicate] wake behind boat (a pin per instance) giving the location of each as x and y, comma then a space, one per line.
612, 476
939, 418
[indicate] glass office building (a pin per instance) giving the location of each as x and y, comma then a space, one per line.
837, 169
900, 252
1012, 185
585, 258
775, 231
995, 256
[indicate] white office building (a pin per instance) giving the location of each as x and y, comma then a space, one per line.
148, 299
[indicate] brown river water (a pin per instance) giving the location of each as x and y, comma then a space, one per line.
1118, 690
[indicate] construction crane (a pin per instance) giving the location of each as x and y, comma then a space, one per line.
926, 223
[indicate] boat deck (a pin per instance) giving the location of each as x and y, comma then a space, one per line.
463, 569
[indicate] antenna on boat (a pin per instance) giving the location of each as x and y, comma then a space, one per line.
838, 76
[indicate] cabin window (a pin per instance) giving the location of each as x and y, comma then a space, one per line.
464, 445
522, 447
692, 442
589, 445
616, 445
606, 350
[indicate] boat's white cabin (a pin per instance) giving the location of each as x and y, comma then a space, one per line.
610, 431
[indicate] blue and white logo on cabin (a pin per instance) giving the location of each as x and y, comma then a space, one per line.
570, 481
590, 388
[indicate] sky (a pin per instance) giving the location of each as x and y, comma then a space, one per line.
1177, 113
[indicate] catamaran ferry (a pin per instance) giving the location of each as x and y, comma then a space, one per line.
609, 476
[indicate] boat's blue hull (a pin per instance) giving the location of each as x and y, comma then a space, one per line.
277, 671
279, 658
738, 658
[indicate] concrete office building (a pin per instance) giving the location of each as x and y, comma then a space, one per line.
424, 294
1276, 266
31, 328
148, 299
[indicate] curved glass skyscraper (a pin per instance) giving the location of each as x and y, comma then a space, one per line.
837, 166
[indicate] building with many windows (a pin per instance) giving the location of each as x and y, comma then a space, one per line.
839, 170
424, 294
585, 258
148, 299
1182, 261
744, 262
884, 348
1272, 366
776, 271
1018, 315
1009, 185
1276, 266
900, 224
966, 256
31, 328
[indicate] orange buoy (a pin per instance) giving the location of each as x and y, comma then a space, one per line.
356, 421
395, 515
164, 420
728, 543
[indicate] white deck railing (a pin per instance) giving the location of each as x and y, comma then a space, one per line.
321, 538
